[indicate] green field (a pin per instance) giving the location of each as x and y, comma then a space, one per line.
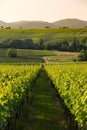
26, 56
49, 35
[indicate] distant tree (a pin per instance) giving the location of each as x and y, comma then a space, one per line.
74, 45
2, 27
16, 43
61, 46
83, 43
64, 27
5, 43
47, 27
11, 52
84, 40
83, 55
8, 27
41, 44
28, 44
49, 46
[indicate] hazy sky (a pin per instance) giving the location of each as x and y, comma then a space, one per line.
46, 10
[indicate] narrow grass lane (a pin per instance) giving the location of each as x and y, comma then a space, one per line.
44, 112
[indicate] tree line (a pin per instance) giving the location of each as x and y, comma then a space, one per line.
75, 45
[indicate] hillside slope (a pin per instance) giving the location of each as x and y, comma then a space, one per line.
72, 23
48, 35
31, 24
3, 24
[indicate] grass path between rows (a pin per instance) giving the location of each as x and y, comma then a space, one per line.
45, 111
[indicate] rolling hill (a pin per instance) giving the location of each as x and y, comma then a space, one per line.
31, 24
3, 24
71, 23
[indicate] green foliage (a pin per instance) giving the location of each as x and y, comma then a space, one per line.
28, 44
44, 109
14, 85
71, 83
16, 43
83, 55
41, 44
11, 52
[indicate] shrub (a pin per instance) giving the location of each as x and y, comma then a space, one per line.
11, 52
83, 55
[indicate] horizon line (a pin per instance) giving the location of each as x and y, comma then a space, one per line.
42, 20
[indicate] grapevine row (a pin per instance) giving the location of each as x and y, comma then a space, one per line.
15, 82
71, 83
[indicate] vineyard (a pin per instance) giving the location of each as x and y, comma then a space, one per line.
69, 79
43, 86
71, 83
26, 56
15, 82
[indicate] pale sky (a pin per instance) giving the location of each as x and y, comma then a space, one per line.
45, 10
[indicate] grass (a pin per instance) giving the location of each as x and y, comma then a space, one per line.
49, 35
44, 112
